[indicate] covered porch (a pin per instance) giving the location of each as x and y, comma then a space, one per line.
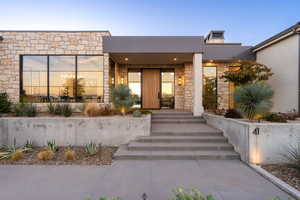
162, 72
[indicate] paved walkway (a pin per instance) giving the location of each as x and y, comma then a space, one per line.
226, 179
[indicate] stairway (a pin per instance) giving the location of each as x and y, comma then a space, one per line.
178, 136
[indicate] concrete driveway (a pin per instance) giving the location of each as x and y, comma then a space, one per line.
227, 180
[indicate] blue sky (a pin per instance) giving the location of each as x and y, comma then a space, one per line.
246, 21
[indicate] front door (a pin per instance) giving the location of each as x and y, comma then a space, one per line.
151, 89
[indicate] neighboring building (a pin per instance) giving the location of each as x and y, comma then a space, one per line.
162, 71
282, 53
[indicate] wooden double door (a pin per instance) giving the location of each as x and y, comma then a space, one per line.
151, 93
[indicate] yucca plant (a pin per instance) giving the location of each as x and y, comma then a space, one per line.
181, 194
253, 99
51, 145
122, 98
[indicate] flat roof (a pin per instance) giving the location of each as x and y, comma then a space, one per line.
153, 44
277, 36
227, 51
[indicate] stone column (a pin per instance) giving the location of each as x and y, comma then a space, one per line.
197, 86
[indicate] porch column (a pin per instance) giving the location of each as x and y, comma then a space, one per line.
197, 85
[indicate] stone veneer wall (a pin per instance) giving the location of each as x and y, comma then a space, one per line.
222, 88
18, 43
188, 86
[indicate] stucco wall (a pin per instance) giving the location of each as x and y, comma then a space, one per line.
282, 57
51, 43
266, 147
76, 131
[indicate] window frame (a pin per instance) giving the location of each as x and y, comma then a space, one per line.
48, 74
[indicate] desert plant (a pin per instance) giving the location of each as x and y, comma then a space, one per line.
29, 144
51, 145
181, 194
18, 155
122, 98
253, 99
292, 155
275, 117
92, 110
51, 108
5, 104
248, 72
66, 109
91, 148
11, 151
137, 113
25, 109
233, 113
58, 109
45, 155
69, 155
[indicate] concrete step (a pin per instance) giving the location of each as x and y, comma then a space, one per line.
186, 133
174, 117
197, 120
169, 139
142, 146
123, 154
172, 113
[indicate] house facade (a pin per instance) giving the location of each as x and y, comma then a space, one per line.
172, 72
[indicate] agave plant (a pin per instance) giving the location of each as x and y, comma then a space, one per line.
253, 99
91, 148
10, 150
292, 155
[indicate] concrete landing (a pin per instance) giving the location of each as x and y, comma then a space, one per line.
225, 179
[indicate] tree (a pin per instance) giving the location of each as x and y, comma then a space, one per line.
248, 72
253, 99
122, 98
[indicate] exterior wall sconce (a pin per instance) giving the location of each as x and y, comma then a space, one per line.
180, 81
112, 80
122, 80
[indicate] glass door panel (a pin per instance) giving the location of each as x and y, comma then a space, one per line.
134, 83
167, 89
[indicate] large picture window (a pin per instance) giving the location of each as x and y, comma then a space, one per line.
62, 78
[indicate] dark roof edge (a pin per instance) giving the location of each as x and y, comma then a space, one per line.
157, 52
225, 43
282, 33
55, 31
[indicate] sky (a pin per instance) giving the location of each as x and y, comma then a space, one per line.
245, 21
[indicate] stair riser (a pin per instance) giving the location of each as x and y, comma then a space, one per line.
185, 134
162, 157
177, 121
212, 148
221, 140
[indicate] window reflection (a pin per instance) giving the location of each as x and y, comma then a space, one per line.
64, 84
62, 78
90, 78
210, 88
167, 89
34, 79
134, 83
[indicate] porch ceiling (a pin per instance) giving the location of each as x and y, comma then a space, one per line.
152, 58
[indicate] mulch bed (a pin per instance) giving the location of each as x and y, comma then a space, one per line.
103, 157
286, 173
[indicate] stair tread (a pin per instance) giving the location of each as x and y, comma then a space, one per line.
182, 137
177, 153
177, 144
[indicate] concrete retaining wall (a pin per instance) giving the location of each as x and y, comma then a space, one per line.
267, 147
76, 131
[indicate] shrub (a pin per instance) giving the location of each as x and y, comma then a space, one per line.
66, 110
52, 146
51, 108
274, 117
18, 155
45, 155
91, 148
5, 104
233, 113
181, 194
29, 144
92, 110
58, 109
137, 113
253, 99
122, 98
69, 155
23, 109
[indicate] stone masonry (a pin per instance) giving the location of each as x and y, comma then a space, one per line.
18, 43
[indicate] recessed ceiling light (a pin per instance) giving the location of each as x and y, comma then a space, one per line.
126, 59
211, 60
174, 59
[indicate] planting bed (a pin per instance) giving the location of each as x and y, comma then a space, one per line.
103, 157
286, 173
